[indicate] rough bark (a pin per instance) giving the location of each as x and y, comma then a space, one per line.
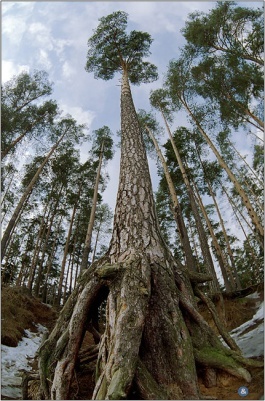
153, 331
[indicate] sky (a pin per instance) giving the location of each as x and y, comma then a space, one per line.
52, 36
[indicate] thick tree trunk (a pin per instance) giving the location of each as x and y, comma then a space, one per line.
153, 332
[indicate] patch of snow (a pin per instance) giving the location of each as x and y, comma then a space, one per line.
14, 360
255, 295
48, 305
252, 342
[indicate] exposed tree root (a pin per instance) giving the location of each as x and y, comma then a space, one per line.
147, 386
128, 300
210, 357
154, 335
26, 378
224, 333
64, 334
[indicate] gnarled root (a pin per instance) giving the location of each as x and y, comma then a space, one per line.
58, 354
126, 310
213, 358
154, 335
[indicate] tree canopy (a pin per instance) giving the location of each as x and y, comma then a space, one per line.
112, 50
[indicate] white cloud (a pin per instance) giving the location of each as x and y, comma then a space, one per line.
80, 115
15, 25
10, 68
44, 60
68, 71
41, 35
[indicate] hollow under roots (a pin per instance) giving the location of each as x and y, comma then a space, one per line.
154, 338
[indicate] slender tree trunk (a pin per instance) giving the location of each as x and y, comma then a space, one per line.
60, 285
247, 111
236, 209
248, 185
177, 212
63, 296
236, 280
253, 215
195, 245
50, 261
24, 197
92, 214
5, 152
4, 195
13, 228
225, 269
44, 244
40, 236
71, 274
96, 239
244, 160
35, 257
202, 236
254, 257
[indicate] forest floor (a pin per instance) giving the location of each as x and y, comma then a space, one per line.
25, 318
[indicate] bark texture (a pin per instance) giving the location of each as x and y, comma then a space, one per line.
154, 336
